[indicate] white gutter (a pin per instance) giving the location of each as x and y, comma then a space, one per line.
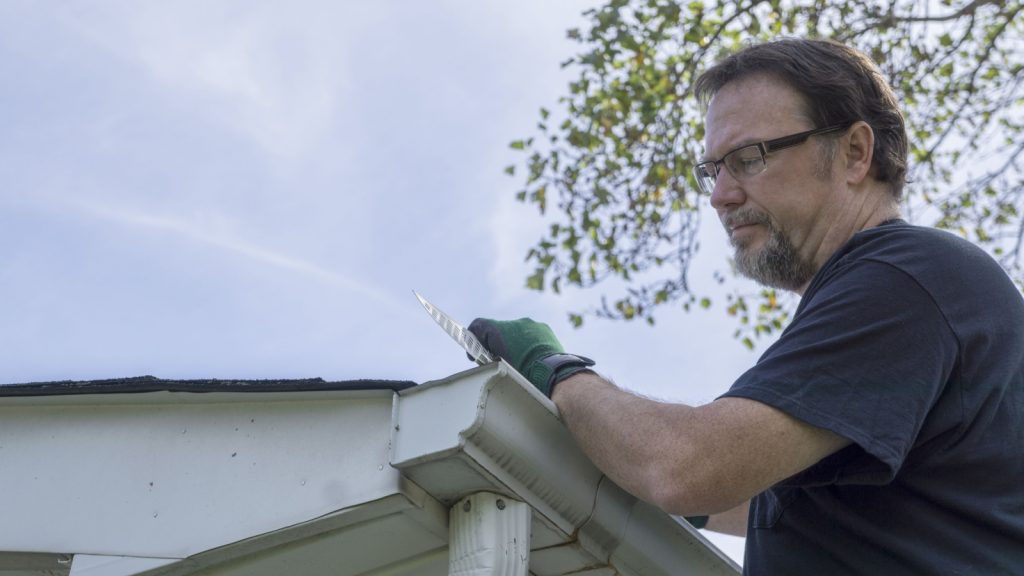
488, 430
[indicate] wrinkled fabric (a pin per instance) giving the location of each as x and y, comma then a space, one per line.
910, 343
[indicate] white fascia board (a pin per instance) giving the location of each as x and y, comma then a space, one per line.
162, 475
488, 429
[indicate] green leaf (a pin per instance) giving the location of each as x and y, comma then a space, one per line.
616, 173
536, 280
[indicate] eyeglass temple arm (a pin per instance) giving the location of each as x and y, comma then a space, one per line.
795, 139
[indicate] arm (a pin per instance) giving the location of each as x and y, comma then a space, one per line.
688, 460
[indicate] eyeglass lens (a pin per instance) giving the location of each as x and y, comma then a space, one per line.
747, 161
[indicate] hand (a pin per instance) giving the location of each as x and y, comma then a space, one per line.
531, 348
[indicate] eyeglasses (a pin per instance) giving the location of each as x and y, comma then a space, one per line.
747, 161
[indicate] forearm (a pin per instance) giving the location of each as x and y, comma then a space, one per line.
625, 436
690, 461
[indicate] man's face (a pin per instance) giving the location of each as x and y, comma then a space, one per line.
777, 220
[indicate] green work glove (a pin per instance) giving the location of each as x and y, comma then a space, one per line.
531, 348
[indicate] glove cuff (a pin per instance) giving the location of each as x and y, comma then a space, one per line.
553, 368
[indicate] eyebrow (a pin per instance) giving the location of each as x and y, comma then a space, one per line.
742, 144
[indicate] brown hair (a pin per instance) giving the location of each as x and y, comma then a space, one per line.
838, 83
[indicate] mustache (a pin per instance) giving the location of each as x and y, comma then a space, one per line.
745, 216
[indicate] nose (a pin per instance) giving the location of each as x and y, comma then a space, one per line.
728, 192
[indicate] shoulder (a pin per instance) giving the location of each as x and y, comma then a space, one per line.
914, 249
943, 265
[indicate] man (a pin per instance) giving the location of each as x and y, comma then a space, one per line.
883, 433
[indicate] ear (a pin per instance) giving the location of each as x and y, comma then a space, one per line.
859, 150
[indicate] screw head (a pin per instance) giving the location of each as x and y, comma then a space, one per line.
501, 504
466, 506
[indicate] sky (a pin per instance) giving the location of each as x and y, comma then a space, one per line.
252, 189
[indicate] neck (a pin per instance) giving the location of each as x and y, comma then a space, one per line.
876, 206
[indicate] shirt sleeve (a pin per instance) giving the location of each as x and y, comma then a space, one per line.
867, 357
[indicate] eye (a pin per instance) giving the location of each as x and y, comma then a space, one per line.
746, 161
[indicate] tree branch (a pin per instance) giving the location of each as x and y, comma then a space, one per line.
970, 8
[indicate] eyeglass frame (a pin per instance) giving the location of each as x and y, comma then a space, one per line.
764, 148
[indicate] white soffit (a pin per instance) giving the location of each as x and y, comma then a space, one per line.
160, 475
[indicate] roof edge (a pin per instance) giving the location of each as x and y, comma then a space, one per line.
144, 384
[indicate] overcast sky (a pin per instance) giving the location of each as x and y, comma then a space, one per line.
252, 189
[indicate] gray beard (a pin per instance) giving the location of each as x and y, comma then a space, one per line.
777, 264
